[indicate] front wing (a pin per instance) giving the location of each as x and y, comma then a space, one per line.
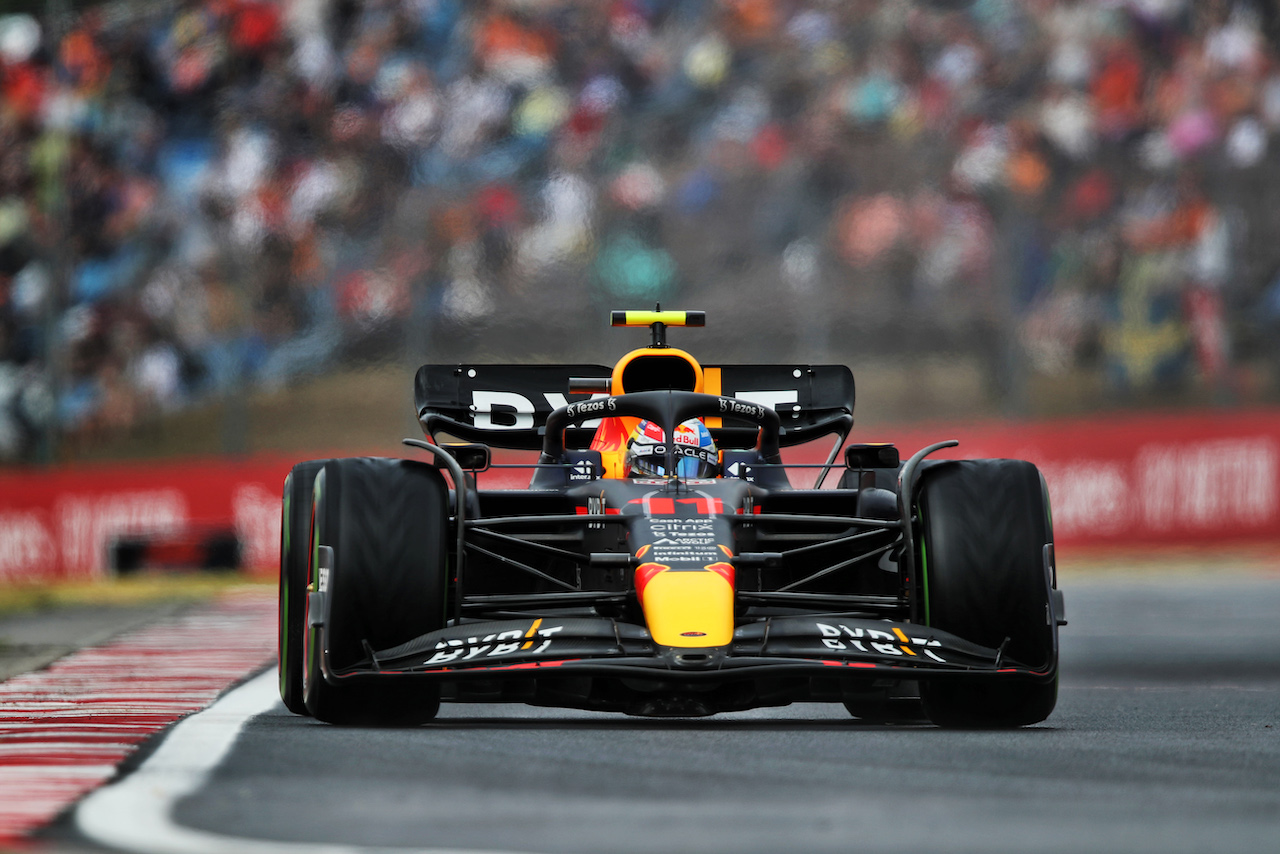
830, 645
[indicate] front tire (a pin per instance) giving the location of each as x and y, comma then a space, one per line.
387, 522
983, 577
295, 538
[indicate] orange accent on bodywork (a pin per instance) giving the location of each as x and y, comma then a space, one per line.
643, 550
529, 633
616, 381
726, 570
611, 441
902, 636
645, 573
711, 385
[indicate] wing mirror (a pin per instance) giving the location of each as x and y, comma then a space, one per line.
470, 456
871, 455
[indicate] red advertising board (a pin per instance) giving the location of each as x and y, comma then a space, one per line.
60, 523
1160, 480
1143, 480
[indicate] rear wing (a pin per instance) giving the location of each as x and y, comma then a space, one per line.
506, 406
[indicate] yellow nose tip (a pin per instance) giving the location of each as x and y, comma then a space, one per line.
689, 608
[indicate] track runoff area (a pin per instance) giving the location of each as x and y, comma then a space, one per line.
65, 730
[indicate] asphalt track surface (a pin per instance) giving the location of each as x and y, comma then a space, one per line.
1166, 739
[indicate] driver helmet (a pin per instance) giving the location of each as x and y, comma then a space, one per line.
695, 451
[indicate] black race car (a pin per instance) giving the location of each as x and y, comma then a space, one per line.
662, 560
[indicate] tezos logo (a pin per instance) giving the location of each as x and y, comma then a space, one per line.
588, 407
733, 407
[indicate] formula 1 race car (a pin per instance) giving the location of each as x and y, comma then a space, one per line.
660, 561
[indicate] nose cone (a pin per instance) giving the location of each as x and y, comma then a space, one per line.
686, 608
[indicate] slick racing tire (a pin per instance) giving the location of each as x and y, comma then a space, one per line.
295, 537
984, 578
387, 522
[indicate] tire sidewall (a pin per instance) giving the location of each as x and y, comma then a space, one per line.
295, 534
983, 574
983, 528
387, 523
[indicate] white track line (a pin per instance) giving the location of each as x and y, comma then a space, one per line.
136, 813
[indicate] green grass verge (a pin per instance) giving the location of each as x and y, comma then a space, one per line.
139, 590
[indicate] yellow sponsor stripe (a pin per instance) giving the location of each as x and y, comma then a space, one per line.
529, 633
902, 636
648, 318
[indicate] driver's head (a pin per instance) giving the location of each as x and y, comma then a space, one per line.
695, 451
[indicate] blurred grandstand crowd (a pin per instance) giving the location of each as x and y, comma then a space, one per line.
200, 195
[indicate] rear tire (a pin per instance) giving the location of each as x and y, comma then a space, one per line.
295, 534
387, 522
983, 577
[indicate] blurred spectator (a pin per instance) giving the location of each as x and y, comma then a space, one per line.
204, 194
